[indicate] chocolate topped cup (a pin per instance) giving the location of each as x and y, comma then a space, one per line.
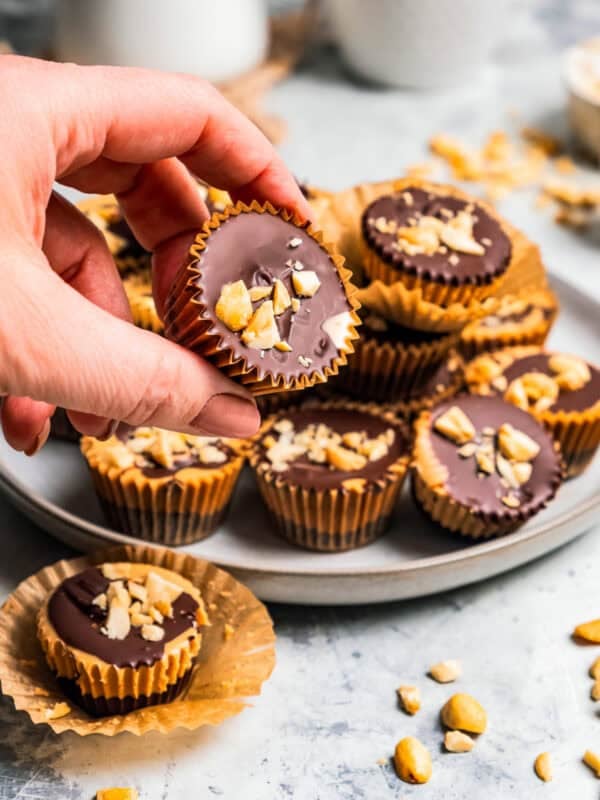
330, 473
122, 636
164, 487
519, 320
435, 239
265, 300
562, 391
390, 361
482, 466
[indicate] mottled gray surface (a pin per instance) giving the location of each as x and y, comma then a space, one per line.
329, 713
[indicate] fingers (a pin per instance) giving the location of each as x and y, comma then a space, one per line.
91, 361
133, 117
26, 423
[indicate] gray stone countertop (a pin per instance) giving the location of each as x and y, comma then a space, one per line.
329, 714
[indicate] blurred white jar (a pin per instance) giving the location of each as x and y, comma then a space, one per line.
417, 43
217, 39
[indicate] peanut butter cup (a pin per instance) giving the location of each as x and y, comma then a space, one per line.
561, 391
483, 467
164, 487
391, 362
122, 636
265, 300
330, 473
451, 248
446, 381
519, 320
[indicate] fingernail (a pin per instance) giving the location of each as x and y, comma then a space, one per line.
228, 415
109, 431
40, 439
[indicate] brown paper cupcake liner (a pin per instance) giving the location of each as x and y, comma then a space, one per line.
388, 371
333, 520
98, 683
236, 657
476, 339
174, 510
413, 405
429, 476
62, 428
188, 321
409, 308
526, 271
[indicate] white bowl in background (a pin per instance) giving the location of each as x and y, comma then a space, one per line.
582, 76
417, 43
217, 39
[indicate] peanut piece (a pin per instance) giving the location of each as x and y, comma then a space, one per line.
261, 332
281, 298
543, 767
458, 742
516, 445
343, 459
446, 671
117, 794
118, 623
410, 697
455, 425
595, 669
595, 692
260, 293
152, 633
572, 373
57, 711
462, 712
590, 631
592, 760
234, 306
412, 761
306, 283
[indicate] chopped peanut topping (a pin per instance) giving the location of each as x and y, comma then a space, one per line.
234, 307
455, 425
322, 445
306, 283
281, 298
261, 332
258, 293
410, 697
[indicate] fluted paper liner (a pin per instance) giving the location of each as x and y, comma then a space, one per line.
228, 671
429, 478
174, 510
386, 371
533, 331
339, 217
189, 322
577, 432
333, 520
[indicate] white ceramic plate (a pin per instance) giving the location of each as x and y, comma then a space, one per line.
414, 558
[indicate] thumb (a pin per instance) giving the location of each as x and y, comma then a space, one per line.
69, 352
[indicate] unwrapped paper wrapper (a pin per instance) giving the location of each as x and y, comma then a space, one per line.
236, 656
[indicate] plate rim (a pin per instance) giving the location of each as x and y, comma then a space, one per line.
24, 497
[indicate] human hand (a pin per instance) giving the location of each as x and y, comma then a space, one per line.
65, 332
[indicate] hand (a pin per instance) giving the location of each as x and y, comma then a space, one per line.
65, 332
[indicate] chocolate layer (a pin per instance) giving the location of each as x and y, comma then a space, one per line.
78, 622
111, 706
577, 400
153, 469
256, 248
470, 269
305, 473
483, 495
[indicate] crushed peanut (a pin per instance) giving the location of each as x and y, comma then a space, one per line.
458, 742
592, 760
430, 235
590, 631
412, 761
322, 445
595, 691
462, 712
455, 425
410, 697
57, 711
306, 283
234, 306
446, 671
543, 767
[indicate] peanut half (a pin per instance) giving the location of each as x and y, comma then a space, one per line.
543, 767
592, 760
412, 761
590, 631
463, 713
117, 794
458, 742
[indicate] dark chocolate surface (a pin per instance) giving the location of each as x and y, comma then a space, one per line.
255, 247
472, 269
78, 622
577, 400
307, 474
155, 470
483, 495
